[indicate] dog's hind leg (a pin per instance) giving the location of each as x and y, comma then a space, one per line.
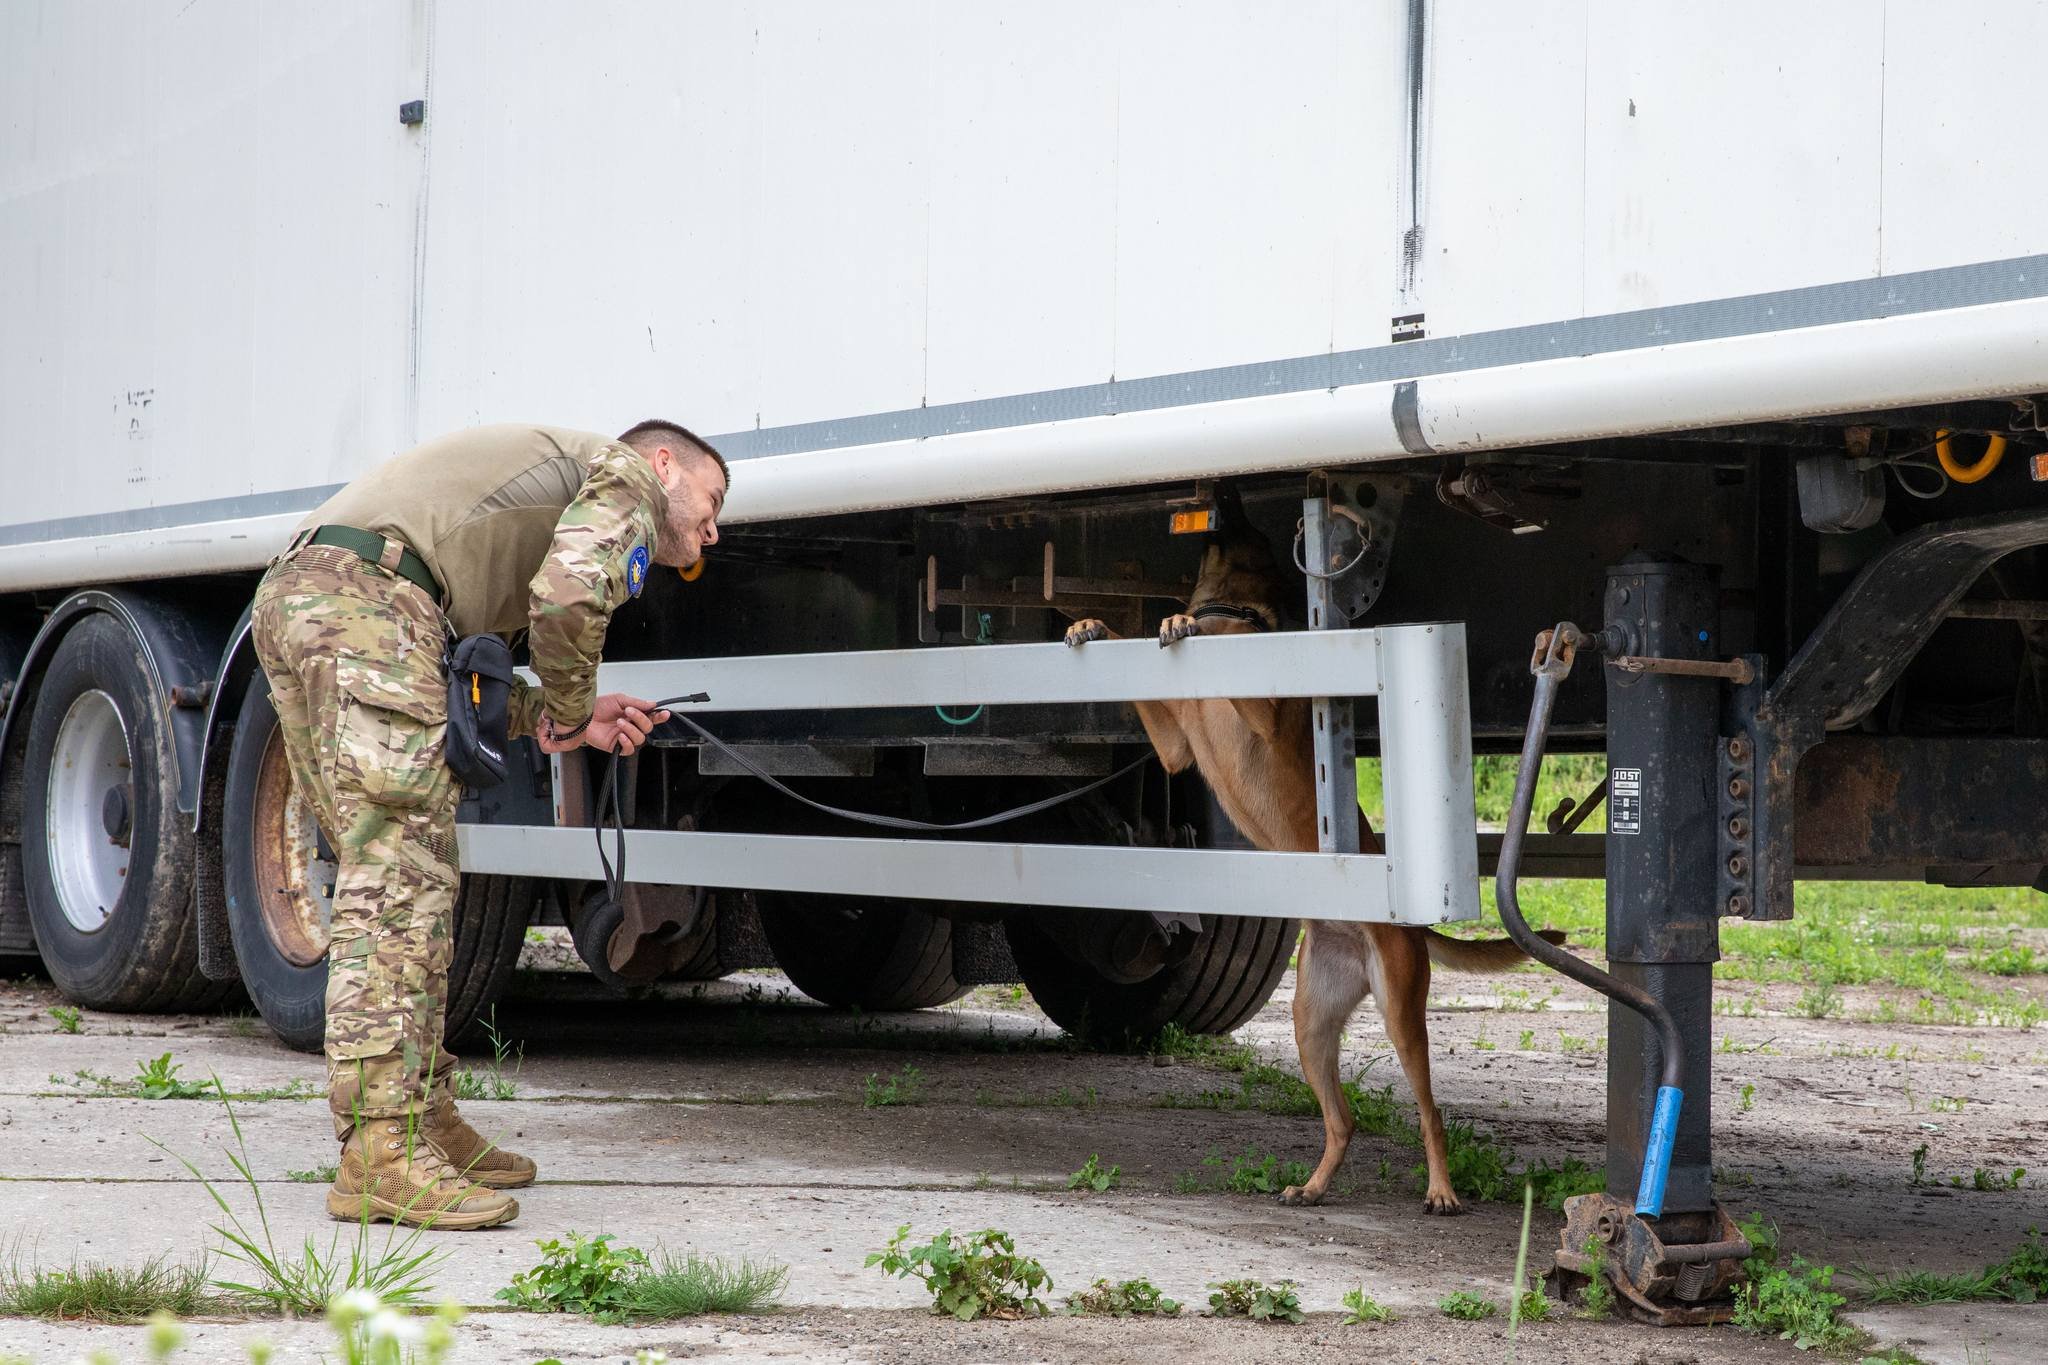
1330, 982
1400, 979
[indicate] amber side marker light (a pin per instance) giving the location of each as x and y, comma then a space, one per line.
1190, 523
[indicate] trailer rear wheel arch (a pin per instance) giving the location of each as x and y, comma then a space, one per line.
105, 695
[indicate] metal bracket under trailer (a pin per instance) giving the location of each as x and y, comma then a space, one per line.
1428, 872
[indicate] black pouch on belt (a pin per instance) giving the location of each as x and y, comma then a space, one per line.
479, 710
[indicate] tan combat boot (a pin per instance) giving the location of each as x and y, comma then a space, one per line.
389, 1177
476, 1160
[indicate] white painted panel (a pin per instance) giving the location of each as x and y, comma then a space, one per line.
1504, 225
1023, 199
591, 215
1730, 149
1228, 175
1365, 145
213, 210
1962, 134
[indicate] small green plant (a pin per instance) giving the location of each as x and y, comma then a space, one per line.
1465, 1306
1945, 1104
2021, 1277
2017, 960
1794, 1302
1748, 1097
1988, 1182
1527, 1042
1555, 1184
1597, 1300
1257, 1301
1122, 1299
66, 1017
1821, 1000
1920, 1165
318, 1175
109, 1293
1259, 1172
1094, 1176
498, 1080
158, 1079
980, 1275
576, 1275
686, 1288
905, 1087
1360, 1307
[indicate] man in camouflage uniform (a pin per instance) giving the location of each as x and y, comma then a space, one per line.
495, 529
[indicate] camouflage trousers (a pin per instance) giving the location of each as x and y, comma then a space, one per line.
354, 658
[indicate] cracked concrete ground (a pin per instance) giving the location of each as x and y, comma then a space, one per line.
734, 1123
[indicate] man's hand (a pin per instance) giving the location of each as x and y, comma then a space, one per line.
618, 724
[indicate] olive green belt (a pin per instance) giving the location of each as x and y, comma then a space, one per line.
377, 549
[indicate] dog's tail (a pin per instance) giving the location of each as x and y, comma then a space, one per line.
1481, 954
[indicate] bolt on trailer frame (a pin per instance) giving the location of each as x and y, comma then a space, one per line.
1428, 872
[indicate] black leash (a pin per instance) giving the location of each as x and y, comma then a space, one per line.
609, 807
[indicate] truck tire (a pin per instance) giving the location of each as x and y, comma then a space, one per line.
280, 889
106, 857
1222, 983
859, 952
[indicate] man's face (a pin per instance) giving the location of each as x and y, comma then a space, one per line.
696, 495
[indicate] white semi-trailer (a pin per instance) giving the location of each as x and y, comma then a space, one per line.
973, 296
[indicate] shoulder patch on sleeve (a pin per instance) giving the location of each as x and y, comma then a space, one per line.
636, 570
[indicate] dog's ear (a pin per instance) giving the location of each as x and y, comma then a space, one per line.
1230, 517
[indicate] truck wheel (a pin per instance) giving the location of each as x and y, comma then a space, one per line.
280, 886
106, 858
1231, 973
859, 952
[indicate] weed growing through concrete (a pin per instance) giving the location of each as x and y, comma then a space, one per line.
318, 1175
158, 1079
905, 1087
304, 1283
980, 1275
1255, 1300
1988, 1182
371, 1333
1748, 1097
576, 1274
1138, 1298
1466, 1306
2021, 1277
66, 1017
1094, 1176
498, 1079
1361, 1307
1945, 1104
694, 1285
91, 1291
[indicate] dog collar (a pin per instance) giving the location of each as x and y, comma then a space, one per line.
1250, 617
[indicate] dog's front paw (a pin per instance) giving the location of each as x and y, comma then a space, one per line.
1081, 632
1301, 1195
1177, 628
1442, 1203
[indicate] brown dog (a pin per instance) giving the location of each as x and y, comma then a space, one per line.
1256, 757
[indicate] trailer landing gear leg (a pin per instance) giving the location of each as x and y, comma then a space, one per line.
1671, 1253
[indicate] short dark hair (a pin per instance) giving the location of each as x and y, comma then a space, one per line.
655, 431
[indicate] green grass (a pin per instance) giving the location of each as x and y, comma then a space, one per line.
318, 1175
66, 1017
496, 1079
93, 1292
687, 1288
2021, 1277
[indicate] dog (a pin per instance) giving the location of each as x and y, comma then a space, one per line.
1256, 756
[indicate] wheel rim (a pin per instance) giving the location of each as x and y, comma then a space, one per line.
294, 884
90, 811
